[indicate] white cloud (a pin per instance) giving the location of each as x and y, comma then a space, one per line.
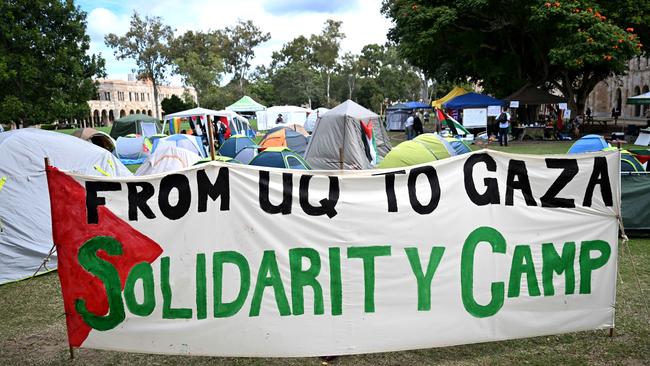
362, 23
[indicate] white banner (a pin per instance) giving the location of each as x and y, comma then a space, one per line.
493, 110
231, 260
474, 117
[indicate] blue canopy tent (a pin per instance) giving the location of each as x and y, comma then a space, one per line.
472, 100
416, 105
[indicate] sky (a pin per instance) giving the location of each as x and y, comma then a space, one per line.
362, 20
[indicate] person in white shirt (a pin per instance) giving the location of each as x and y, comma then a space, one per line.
504, 125
408, 127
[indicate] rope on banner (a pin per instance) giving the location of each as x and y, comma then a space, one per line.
626, 242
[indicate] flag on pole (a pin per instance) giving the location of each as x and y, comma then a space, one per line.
369, 141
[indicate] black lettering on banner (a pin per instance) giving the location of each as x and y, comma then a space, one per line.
93, 201
518, 179
139, 194
491, 194
182, 185
287, 191
220, 188
391, 198
434, 184
328, 205
569, 171
599, 176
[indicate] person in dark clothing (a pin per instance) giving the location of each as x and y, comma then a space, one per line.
417, 125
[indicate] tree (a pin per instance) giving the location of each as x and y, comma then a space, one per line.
146, 43
504, 45
242, 40
45, 72
175, 104
325, 48
198, 59
349, 70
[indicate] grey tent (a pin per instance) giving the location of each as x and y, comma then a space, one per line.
339, 139
396, 116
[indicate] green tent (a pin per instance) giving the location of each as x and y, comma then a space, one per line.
440, 147
139, 124
406, 154
635, 200
245, 104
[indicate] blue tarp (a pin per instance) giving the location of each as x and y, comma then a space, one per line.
472, 100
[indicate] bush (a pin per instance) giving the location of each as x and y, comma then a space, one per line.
48, 126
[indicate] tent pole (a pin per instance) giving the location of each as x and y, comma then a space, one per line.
210, 137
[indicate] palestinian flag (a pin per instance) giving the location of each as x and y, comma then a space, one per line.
369, 142
455, 127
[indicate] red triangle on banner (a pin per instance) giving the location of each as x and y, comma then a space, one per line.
70, 231
367, 128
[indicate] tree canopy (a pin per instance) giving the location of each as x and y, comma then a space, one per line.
146, 42
503, 45
45, 71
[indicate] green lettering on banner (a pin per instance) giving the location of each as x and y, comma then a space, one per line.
368, 254
141, 271
201, 294
554, 263
301, 278
168, 312
107, 273
522, 262
269, 275
424, 280
498, 243
588, 264
336, 285
221, 309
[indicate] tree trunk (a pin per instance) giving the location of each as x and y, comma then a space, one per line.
328, 89
155, 95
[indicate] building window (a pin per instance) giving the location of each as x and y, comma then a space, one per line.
142, 97
148, 97
107, 96
130, 98
137, 97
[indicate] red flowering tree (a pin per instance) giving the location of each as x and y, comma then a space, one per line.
502, 45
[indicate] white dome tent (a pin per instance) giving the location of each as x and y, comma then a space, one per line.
25, 220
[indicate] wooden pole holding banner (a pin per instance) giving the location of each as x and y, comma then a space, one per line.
210, 137
46, 162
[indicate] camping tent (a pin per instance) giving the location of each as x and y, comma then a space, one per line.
588, 143
187, 142
396, 116
234, 145
223, 159
407, 153
167, 158
639, 99
25, 222
234, 123
285, 137
530, 95
99, 138
456, 91
472, 100
635, 200
245, 104
280, 157
132, 149
342, 137
459, 146
440, 147
139, 124
290, 115
629, 162
312, 118
247, 154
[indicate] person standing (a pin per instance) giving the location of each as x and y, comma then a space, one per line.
279, 120
615, 114
504, 125
408, 126
417, 126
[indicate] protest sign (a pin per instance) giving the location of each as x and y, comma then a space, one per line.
230, 260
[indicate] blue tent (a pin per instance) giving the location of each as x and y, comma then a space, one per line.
188, 142
280, 157
234, 144
589, 143
472, 100
458, 145
417, 105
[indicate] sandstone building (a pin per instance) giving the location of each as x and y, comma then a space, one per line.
614, 91
118, 98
